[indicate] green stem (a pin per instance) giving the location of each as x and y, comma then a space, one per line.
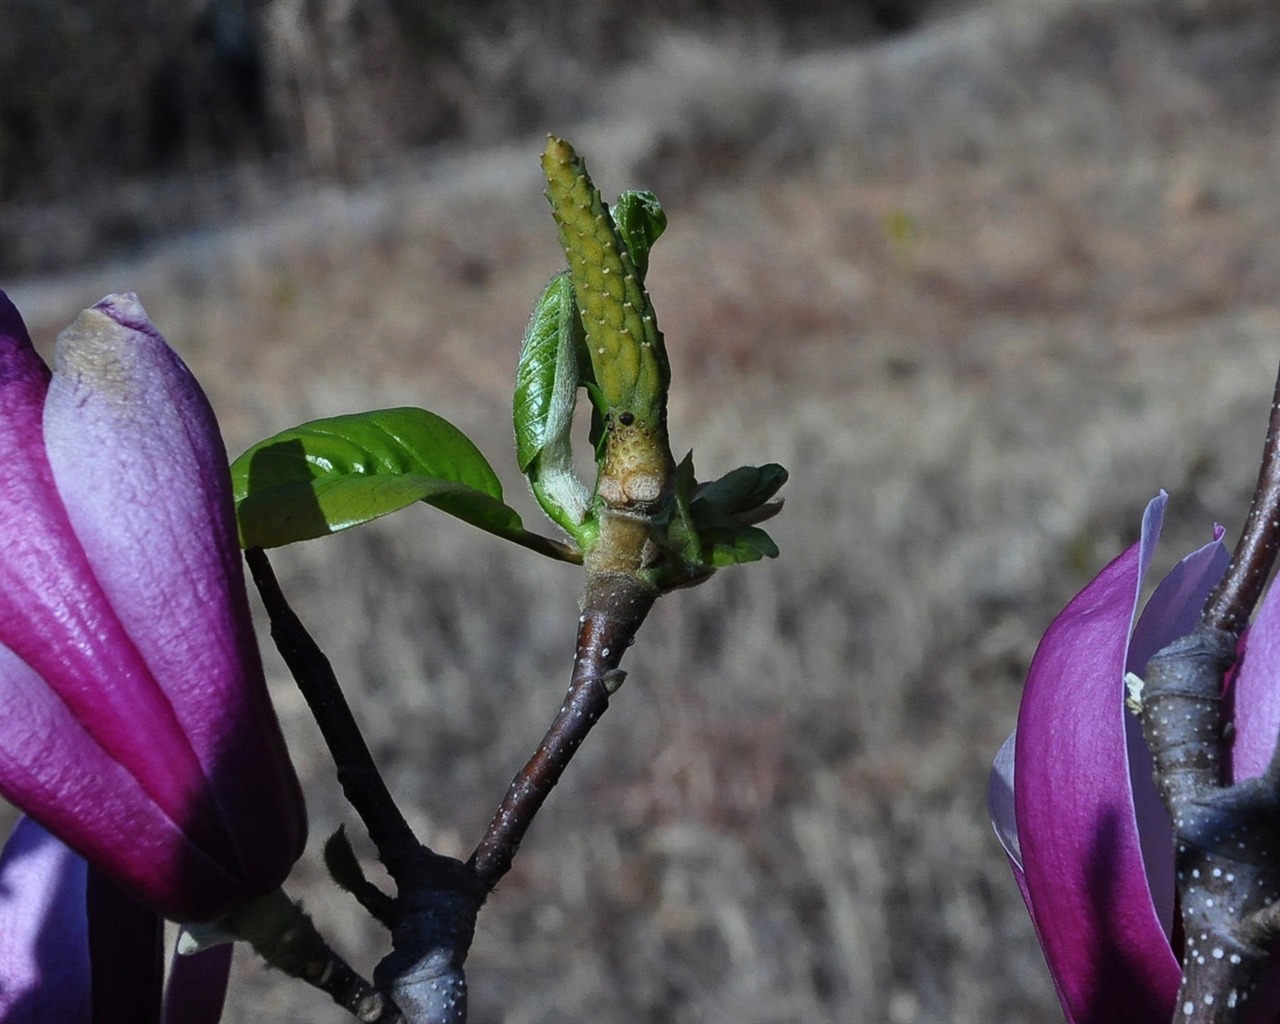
546, 546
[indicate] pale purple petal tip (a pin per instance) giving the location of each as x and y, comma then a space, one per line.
1174, 609
44, 946
125, 309
1149, 539
1000, 804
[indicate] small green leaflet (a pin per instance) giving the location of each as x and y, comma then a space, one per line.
743, 492
332, 474
640, 219
712, 525
728, 542
724, 510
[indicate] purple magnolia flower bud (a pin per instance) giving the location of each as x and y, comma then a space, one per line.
134, 719
1072, 796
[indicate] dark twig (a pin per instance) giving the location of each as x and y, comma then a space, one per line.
614, 608
337, 979
287, 940
432, 919
1227, 837
361, 781
1233, 600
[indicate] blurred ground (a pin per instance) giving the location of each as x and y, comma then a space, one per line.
983, 287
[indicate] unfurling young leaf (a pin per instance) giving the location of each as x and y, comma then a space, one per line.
547, 375
546, 393
724, 512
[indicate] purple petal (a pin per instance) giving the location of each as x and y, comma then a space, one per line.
182, 791
23, 375
1256, 695
198, 986
48, 762
141, 469
1090, 901
44, 949
1256, 702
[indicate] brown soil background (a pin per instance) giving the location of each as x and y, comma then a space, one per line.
983, 288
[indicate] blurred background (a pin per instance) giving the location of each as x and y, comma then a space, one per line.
984, 274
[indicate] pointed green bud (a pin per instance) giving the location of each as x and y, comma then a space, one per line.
625, 347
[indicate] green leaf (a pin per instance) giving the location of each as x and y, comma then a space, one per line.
640, 220
332, 474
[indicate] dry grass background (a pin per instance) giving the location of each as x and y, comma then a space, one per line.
983, 288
